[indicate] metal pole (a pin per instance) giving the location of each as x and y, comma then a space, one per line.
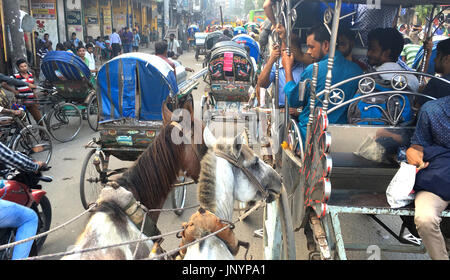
221, 16
15, 41
331, 53
425, 52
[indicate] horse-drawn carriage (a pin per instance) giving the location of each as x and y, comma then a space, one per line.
346, 168
131, 91
75, 94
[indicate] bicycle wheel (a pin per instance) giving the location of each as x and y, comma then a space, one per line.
64, 122
178, 196
92, 114
35, 142
91, 180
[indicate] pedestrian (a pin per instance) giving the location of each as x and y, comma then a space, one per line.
127, 40
173, 46
75, 41
116, 43
136, 41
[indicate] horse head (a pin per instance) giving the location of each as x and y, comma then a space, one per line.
221, 182
188, 133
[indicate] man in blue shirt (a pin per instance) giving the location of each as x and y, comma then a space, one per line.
318, 46
267, 77
430, 152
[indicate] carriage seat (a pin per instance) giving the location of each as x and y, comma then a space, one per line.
365, 157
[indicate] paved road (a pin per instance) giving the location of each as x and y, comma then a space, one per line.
64, 195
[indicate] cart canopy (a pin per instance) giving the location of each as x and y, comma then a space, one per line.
64, 66
134, 85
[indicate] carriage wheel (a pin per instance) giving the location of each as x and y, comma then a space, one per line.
278, 232
64, 122
92, 178
92, 114
35, 142
178, 196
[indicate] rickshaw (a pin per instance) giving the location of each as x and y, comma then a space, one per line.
248, 41
230, 77
131, 90
239, 30
346, 168
75, 90
192, 30
200, 44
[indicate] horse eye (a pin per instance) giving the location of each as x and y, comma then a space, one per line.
255, 161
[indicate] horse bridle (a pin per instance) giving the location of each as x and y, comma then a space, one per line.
250, 176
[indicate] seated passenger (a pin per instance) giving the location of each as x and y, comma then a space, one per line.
318, 45
385, 47
430, 152
345, 44
435, 87
267, 77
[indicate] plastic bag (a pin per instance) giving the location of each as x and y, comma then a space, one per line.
400, 190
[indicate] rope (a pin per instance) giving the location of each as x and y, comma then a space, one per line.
103, 247
62, 254
230, 224
3, 247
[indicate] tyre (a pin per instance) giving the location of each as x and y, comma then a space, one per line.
35, 142
278, 232
179, 196
64, 122
44, 211
91, 181
92, 114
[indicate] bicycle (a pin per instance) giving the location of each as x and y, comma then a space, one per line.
63, 120
31, 140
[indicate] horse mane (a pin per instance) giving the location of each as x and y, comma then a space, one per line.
207, 179
154, 172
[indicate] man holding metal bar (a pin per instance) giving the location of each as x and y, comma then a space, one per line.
318, 46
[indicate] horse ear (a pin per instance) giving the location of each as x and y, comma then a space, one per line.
166, 114
209, 138
239, 140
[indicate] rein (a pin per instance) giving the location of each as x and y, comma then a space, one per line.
247, 172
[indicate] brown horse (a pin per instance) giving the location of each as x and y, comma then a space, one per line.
150, 180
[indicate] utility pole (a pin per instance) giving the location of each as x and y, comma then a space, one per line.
14, 37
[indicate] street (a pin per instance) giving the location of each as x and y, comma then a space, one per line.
64, 195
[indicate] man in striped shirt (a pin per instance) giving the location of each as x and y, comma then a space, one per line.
409, 52
25, 92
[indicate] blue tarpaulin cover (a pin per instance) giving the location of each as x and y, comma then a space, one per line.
62, 65
134, 75
250, 42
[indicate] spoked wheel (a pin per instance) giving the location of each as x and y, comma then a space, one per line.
278, 232
178, 196
64, 122
92, 114
92, 178
35, 142
44, 210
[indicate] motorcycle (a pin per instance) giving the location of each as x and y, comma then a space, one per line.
24, 188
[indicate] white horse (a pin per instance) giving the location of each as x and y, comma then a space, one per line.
221, 183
